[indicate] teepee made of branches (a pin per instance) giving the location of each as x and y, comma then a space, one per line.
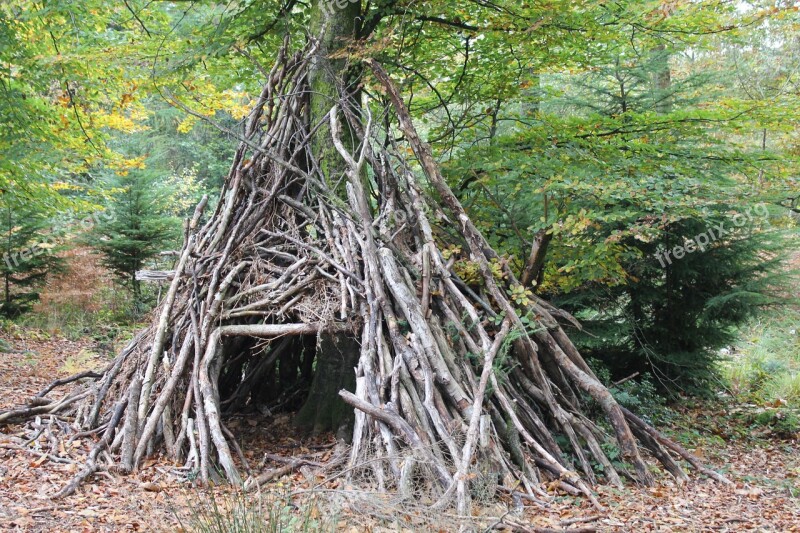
450, 375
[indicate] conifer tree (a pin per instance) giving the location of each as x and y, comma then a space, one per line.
639, 167
27, 248
134, 229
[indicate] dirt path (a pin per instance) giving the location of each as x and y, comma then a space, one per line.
765, 497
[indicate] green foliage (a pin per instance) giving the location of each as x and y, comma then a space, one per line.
28, 248
639, 154
110, 317
671, 318
637, 392
63, 82
5, 347
134, 229
783, 423
503, 364
763, 366
193, 159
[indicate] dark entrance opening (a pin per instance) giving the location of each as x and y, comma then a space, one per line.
289, 387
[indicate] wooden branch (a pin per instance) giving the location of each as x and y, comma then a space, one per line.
148, 426
394, 420
279, 330
63, 381
291, 463
49, 456
150, 276
535, 264
207, 380
161, 329
91, 462
677, 448
472, 431
131, 427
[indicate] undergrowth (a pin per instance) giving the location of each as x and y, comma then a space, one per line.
763, 367
638, 393
106, 318
239, 512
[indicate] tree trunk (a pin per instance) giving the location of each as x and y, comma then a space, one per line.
337, 355
324, 410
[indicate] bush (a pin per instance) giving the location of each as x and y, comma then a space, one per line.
134, 231
671, 319
638, 393
27, 255
782, 423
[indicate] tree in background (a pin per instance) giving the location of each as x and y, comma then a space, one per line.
135, 229
685, 181
28, 246
761, 68
192, 154
62, 97
617, 163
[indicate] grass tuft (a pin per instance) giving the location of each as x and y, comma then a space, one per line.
239, 512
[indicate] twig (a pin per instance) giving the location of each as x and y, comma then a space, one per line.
623, 380
51, 457
580, 520
64, 381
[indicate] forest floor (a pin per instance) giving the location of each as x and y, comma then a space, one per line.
764, 467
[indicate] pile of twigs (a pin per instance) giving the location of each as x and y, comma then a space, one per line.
450, 381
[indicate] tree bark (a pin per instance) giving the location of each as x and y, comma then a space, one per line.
330, 77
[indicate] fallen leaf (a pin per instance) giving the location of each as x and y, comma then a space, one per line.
149, 486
